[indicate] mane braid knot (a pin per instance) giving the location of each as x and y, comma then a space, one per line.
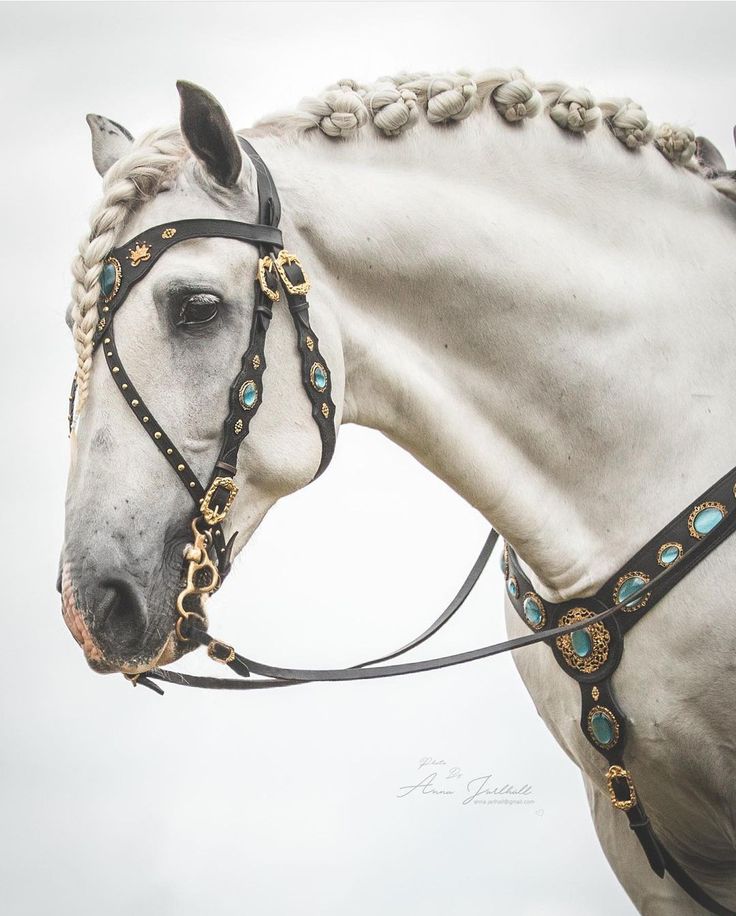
676, 143
576, 110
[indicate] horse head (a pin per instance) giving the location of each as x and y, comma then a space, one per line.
180, 338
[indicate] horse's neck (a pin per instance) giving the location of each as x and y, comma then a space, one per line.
546, 324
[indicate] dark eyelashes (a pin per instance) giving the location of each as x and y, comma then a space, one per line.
197, 310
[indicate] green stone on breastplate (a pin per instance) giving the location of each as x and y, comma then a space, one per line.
581, 642
628, 588
707, 519
601, 725
669, 555
532, 612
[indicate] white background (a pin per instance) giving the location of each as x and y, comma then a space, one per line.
116, 801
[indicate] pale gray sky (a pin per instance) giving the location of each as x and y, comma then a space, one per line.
115, 801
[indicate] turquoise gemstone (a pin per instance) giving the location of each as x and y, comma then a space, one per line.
707, 519
513, 588
319, 377
581, 643
628, 588
107, 278
249, 395
669, 555
532, 611
602, 726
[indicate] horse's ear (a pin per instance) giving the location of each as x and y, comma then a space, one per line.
110, 141
709, 156
208, 133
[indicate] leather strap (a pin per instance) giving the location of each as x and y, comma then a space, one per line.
308, 675
133, 260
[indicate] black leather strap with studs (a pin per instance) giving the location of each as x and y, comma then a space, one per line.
133, 260
315, 374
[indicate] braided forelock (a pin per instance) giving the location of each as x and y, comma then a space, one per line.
130, 182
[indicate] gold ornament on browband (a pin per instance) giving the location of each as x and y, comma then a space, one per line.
141, 252
266, 265
296, 289
213, 515
202, 578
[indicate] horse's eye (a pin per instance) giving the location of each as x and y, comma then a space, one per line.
197, 309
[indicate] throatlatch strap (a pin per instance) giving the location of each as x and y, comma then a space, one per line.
316, 377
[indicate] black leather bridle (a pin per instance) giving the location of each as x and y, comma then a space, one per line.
587, 649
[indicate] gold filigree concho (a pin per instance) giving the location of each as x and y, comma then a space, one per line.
599, 636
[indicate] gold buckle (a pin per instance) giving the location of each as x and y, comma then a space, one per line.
617, 772
266, 265
212, 652
299, 289
213, 516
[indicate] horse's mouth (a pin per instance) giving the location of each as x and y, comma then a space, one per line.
95, 656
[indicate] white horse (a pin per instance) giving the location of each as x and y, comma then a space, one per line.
533, 294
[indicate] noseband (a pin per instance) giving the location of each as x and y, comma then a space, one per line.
587, 649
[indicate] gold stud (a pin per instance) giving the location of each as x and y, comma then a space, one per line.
101, 324
256, 361
169, 451
180, 467
238, 427
157, 435
309, 342
105, 308
135, 402
595, 693
325, 410
192, 484
107, 340
115, 369
109, 352
146, 419
124, 386
168, 233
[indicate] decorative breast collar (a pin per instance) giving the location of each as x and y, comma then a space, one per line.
591, 655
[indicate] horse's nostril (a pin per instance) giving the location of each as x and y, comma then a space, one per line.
122, 615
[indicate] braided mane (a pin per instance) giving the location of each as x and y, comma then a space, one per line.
392, 105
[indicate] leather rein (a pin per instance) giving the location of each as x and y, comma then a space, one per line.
586, 635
